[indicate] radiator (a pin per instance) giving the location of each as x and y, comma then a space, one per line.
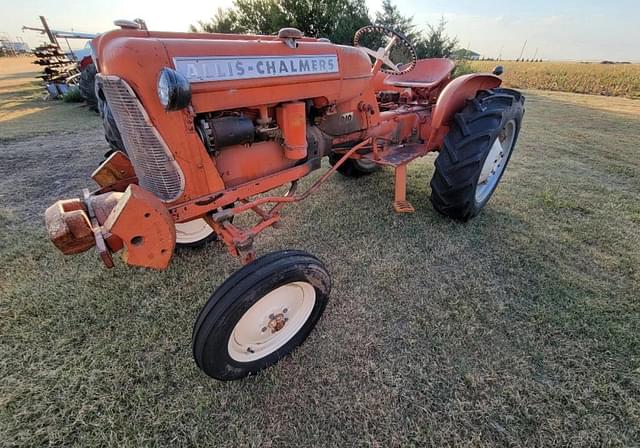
155, 167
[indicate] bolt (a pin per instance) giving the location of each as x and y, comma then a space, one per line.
285, 310
250, 350
264, 329
271, 316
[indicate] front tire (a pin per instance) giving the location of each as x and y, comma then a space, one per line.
260, 314
476, 152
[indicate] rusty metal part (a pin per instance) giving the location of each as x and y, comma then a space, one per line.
277, 322
453, 97
102, 204
397, 155
101, 246
69, 227
294, 198
400, 203
291, 118
145, 227
115, 172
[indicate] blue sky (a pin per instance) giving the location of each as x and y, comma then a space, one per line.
561, 29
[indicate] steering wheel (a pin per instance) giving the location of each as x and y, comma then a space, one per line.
377, 35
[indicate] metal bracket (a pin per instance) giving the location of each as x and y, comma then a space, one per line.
101, 246
400, 203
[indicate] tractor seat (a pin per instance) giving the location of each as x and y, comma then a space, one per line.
427, 74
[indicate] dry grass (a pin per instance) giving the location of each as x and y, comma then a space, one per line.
22, 110
597, 79
520, 328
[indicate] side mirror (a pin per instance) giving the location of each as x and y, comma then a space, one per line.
498, 70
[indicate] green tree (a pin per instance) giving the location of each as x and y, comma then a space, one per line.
436, 43
225, 21
337, 20
260, 16
391, 17
353, 17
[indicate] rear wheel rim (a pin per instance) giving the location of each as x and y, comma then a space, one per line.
496, 161
192, 231
364, 164
271, 322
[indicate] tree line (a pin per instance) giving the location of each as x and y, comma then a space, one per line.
337, 20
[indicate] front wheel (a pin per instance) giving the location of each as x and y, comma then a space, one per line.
476, 152
260, 314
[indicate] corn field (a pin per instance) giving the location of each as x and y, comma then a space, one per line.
595, 79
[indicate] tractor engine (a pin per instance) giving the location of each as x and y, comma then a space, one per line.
200, 113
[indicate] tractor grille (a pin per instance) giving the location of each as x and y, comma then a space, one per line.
155, 167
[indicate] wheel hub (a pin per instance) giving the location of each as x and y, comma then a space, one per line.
277, 322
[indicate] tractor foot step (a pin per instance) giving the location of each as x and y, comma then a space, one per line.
398, 155
403, 207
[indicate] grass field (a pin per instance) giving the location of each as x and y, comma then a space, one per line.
22, 111
596, 79
520, 328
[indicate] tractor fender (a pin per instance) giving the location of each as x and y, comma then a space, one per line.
456, 93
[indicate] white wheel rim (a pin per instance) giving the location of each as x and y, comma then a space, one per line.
272, 321
192, 231
496, 161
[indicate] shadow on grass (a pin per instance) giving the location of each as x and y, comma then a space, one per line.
517, 328
24, 113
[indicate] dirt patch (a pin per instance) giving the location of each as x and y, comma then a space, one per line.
37, 171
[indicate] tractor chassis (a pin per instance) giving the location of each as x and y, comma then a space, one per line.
239, 241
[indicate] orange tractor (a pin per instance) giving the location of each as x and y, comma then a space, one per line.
213, 124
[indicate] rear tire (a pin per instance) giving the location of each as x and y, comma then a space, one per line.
476, 152
111, 131
353, 167
86, 84
260, 314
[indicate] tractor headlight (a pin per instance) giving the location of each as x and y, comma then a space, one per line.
174, 91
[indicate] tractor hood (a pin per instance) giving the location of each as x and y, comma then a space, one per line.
230, 71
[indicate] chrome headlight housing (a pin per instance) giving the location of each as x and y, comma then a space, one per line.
174, 90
